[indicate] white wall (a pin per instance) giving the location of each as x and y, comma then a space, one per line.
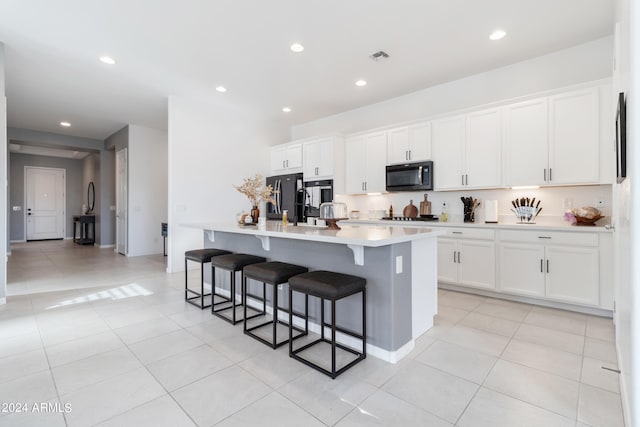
3, 188
626, 216
582, 63
210, 149
147, 189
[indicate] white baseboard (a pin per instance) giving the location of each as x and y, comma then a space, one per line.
18, 241
3, 301
106, 246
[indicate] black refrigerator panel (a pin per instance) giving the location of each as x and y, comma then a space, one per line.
288, 194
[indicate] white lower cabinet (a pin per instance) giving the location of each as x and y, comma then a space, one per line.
467, 261
573, 274
521, 269
557, 270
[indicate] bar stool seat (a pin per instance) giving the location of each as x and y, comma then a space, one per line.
232, 263
331, 286
201, 256
273, 273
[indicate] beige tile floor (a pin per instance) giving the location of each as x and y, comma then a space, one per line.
111, 338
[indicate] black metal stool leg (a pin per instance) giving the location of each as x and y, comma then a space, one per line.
202, 284
186, 281
333, 338
275, 314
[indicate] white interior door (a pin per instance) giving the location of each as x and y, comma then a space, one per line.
45, 196
121, 201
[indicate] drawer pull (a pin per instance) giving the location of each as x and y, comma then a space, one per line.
456, 232
547, 266
541, 270
544, 237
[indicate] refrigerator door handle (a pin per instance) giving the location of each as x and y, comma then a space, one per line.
278, 205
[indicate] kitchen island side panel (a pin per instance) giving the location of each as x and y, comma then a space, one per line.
388, 294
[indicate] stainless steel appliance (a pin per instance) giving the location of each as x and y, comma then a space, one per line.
315, 194
410, 177
288, 194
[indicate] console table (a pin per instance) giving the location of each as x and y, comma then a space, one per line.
87, 229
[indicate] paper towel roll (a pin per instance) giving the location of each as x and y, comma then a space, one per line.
491, 211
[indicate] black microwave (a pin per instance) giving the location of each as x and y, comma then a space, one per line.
410, 177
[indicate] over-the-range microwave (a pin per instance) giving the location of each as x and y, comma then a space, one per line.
410, 177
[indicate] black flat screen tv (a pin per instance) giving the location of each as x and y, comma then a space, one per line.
621, 138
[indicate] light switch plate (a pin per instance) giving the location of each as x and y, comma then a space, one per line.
399, 264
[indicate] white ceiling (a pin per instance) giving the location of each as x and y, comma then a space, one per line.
189, 47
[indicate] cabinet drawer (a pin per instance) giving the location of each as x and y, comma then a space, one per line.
470, 233
553, 237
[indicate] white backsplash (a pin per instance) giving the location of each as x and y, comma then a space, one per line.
555, 201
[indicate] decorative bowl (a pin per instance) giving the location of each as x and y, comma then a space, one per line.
580, 220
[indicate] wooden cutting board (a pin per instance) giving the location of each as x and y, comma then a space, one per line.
410, 211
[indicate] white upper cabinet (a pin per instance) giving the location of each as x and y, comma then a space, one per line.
366, 157
553, 140
526, 135
447, 147
574, 137
467, 151
483, 149
286, 158
318, 159
409, 144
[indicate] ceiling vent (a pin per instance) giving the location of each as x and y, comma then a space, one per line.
379, 55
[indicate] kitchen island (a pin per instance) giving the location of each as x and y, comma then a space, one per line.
399, 264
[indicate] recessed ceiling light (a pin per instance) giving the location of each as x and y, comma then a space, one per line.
107, 60
65, 124
297, 47
361, 83
221, 89
497, 35
286, 109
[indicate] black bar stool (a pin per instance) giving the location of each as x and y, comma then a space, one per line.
232, 263
331, 286
201, 256
273, 273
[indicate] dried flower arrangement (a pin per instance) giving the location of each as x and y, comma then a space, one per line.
256, 190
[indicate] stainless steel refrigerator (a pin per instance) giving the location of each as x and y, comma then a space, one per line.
289, 196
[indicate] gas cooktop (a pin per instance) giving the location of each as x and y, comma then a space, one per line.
406, 218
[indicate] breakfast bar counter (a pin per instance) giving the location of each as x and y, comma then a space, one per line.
399, 264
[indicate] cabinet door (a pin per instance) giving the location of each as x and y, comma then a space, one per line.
376, 160
355, 175
477, 263
311, 160
420, 142
294, 156
526, 142
573, 274
447, 265
398, 146
447, 145
574, 137
521, 269
278, 160
483, 149
325, 166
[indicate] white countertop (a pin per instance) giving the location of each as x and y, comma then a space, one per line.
361, 234
542, 224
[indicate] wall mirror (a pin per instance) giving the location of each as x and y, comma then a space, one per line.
91, 197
